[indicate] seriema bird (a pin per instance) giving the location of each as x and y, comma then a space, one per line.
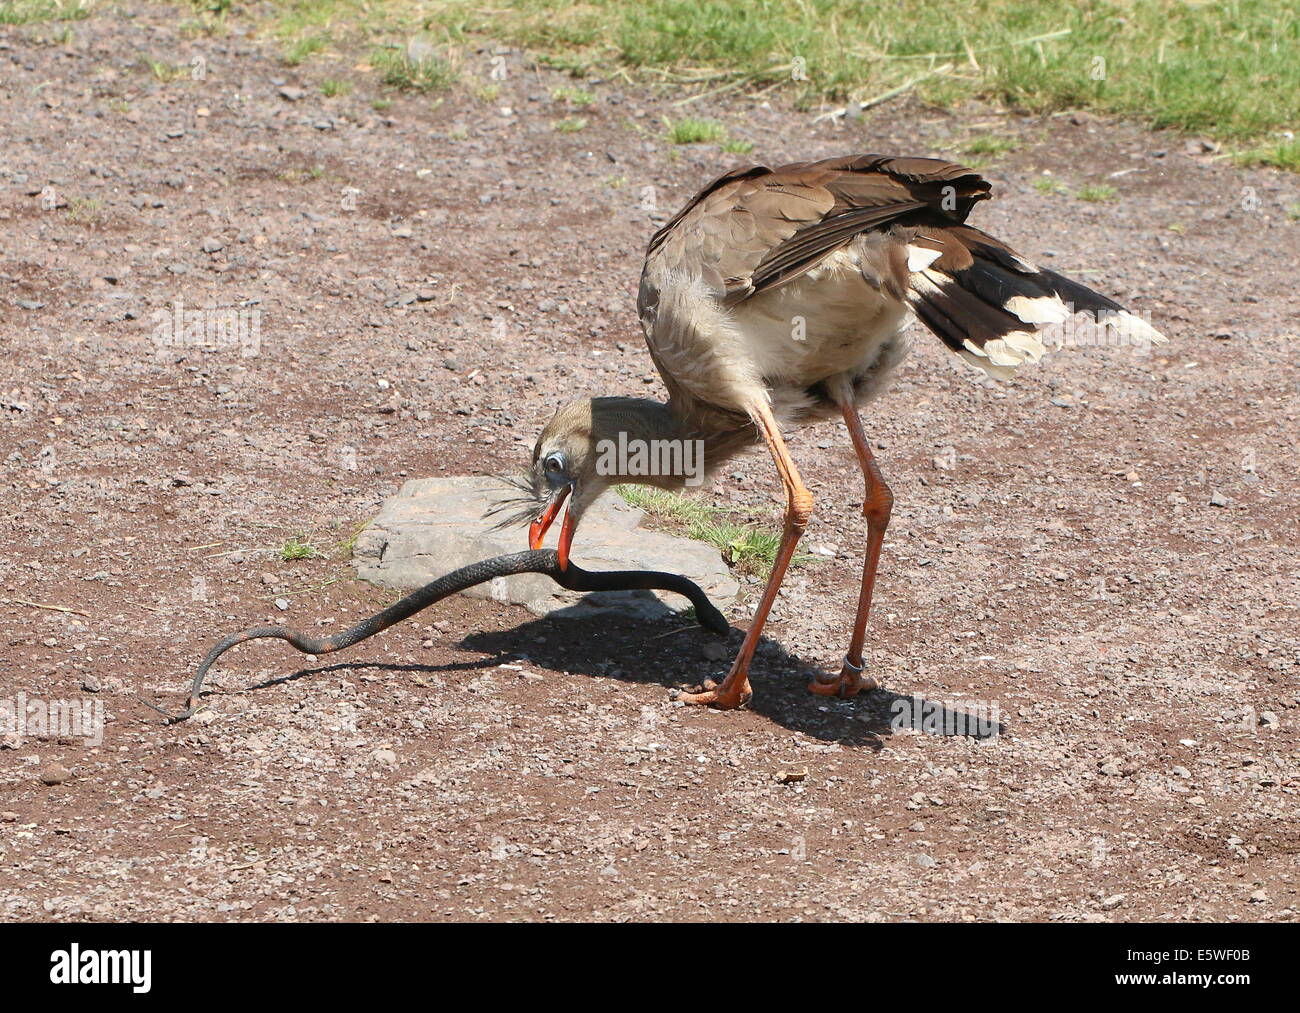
777, 297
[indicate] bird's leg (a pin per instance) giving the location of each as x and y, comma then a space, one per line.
877, 505
734, 689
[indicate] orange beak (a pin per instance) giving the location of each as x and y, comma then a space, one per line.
537, 530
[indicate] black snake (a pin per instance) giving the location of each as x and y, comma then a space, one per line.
545, 561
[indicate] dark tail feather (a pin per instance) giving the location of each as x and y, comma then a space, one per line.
996, 309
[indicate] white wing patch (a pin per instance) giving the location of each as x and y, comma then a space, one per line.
921, 257
1040, 310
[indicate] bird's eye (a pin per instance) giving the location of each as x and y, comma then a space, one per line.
554, 465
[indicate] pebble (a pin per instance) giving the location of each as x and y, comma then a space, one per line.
1218, 499
1111, 903
714, 651
282, 604
54, 773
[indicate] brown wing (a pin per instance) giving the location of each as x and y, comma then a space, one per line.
756, 228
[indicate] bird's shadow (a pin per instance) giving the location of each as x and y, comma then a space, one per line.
672, 653
673, 656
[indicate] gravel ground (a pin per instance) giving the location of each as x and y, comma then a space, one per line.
1104, 549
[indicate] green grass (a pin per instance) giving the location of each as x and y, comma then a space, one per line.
296, 549
1293, 211
1281, 156
164, 72
1049, 184
1225, 68
344, 548
748, 549
333, 88
1097, 193
26, 12
425, 73
301, 175
305, 27
85, 210
570, 125
693, 131
990, 144
298, 50
671, 505
573, 96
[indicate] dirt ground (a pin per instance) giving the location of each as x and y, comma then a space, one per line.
1105, 548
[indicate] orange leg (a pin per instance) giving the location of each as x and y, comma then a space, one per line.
734, 690
877, 505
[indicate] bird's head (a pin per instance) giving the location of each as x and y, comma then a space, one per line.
563, 473
574, 461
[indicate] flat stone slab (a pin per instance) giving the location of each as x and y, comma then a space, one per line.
436, 525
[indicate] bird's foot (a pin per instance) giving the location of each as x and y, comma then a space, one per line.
850, 682
732, 693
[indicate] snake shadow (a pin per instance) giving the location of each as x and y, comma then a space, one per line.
674, 655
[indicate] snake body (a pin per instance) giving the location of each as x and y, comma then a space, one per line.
545, 561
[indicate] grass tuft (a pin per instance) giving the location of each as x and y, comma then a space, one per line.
1285, 155
294, 548
164, 72
735, 147
748, 549
1098, 193
26, 12
990, 144
298, 50
693, 131
414, 68
573, 96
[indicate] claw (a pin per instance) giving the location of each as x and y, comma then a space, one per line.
731, 694
850, 682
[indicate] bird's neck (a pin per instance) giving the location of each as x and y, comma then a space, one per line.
656, 444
